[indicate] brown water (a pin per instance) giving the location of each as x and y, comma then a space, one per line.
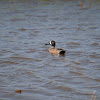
25, 62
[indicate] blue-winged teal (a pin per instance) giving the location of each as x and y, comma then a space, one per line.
55, 50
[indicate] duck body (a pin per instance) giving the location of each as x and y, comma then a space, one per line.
54, 50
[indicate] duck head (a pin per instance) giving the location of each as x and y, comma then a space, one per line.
52, 43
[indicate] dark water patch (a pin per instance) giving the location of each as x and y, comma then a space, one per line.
76, 62
6, 51
2, 25
37, 60
96, 86
93, 27
27, 71
84, 93
63, 28
22, 29
97, 38
36, 32
77, 53
40, 90
18, 19
42, 16
81, 29
95, 44
76, 73
95, 55
98, 80
13, 32
63, 88
73, 44
8, 62
30, 50
22, 58
52, 28
85, 62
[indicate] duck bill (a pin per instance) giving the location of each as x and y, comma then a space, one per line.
47, 44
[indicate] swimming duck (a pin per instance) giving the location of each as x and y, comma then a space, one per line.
55, 50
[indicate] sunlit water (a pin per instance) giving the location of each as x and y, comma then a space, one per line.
25, 62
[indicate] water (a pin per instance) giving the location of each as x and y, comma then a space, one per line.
25, 62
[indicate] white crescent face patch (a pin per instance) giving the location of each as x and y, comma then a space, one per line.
50, 42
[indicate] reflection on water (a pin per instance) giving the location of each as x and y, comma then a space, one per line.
26, 64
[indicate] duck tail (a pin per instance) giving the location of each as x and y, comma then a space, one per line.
62, 52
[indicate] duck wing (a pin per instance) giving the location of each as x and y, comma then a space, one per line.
61, 51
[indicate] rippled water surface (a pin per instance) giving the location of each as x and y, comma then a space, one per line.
25, 62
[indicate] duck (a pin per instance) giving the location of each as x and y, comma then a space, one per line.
54, 50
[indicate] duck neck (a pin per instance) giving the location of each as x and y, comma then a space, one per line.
53, 45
